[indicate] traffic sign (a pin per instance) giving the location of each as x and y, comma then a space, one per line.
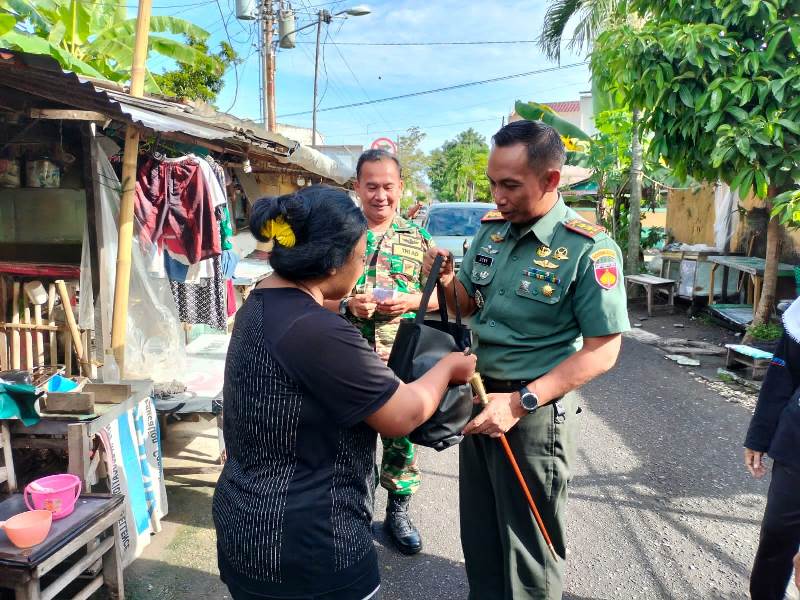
384, 144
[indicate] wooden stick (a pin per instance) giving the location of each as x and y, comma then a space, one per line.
477, 385
73, 326
37, 319
29, 326
28, 338
15, 350
51, 302
3, 317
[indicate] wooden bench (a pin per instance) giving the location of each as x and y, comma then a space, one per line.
755, 359
651, 283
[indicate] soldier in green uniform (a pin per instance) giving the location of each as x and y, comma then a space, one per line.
547, 300
388, 291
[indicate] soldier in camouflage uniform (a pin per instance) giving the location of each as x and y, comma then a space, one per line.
388, 291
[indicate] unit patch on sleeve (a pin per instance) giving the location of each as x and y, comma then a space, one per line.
606, 270
584, 228
492, 215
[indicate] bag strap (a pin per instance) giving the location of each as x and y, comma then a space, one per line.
433, 280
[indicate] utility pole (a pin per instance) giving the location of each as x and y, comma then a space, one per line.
268, 109
122, 279
324, 16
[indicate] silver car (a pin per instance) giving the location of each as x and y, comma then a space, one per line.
454, 224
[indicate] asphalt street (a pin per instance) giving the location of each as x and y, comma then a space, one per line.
660, 505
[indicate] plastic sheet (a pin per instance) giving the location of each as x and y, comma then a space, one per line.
155, 346
726, 203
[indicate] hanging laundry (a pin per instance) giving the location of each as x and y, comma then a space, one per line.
203, 303
174, 205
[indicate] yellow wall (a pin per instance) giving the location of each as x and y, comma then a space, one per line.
690, 220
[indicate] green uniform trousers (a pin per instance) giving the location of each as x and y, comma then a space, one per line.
399, 471
506, 556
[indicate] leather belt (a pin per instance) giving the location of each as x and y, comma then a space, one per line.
503, 386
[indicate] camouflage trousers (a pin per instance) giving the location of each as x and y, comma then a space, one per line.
399, 471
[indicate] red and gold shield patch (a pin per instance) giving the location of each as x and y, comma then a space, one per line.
606, 271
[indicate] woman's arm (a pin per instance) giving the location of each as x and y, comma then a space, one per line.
414, 403
778, 388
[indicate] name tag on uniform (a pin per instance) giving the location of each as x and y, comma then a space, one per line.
483, 259
408, 252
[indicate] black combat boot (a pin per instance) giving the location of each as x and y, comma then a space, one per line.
398, 524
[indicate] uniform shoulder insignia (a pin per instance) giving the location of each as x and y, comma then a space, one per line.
590, 230
492, 215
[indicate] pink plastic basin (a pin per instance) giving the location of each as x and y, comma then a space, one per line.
56, 493
29, 528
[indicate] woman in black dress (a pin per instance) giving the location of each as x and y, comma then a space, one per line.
775, 430
305, 398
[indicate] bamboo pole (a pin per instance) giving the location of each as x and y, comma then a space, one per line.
122, 279
72, 328
477, 386
15, 349
51, 303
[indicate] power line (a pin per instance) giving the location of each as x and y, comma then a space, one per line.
471, 43
442, 89
235, 66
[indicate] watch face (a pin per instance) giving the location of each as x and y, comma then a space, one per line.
529, 401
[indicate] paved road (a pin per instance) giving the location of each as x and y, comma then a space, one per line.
660, 506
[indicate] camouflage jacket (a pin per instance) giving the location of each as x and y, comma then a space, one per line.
398, 267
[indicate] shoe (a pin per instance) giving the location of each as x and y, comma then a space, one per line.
399, 525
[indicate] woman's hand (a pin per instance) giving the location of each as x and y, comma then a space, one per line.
754, 461
362, 306
462, 367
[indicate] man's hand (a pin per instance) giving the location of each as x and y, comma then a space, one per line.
394, 307
447, 272
754, 461
501, 414
362, 306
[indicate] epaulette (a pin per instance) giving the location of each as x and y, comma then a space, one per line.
492, 215
590, 230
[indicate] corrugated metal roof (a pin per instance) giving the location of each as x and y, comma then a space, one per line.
42, 76
565, 107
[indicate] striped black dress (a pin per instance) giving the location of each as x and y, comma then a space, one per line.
293, 506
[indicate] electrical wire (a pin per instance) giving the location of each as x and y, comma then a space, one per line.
442, 89
465, 43
235, 65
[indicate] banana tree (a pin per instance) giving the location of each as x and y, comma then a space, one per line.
95, 39
576, 141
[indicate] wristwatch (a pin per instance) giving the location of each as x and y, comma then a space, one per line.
528, 399
343, 305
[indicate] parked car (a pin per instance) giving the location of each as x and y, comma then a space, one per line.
453, 225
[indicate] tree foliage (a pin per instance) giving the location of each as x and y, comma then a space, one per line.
459, 168
415, 164
592, 16
198, 82
94, 39
717, 81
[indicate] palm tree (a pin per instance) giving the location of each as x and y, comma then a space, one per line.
592, 18
93, 38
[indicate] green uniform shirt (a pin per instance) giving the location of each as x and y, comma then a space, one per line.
399, 268
540, 290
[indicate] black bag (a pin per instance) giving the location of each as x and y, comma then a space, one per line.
419, 345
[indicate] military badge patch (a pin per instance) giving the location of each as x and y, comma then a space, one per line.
606, 269
489, 249
497, 238
483, 259
479, 299
584, 228
543, 251
561, 254
546, 264
408, 252
492, 215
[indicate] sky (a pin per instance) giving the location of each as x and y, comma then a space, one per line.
351, 72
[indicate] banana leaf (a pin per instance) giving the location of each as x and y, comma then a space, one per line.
36, 45
7, 23
533, 111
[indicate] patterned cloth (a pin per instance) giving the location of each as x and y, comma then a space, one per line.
203, 303
397, 268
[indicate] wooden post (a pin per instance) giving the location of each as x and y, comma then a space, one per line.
51, 302
122, 279
15, 349
28, 337
72, 327
3, 317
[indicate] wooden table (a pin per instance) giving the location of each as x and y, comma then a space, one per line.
90, 535
748, 265
75, 433
651, 284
